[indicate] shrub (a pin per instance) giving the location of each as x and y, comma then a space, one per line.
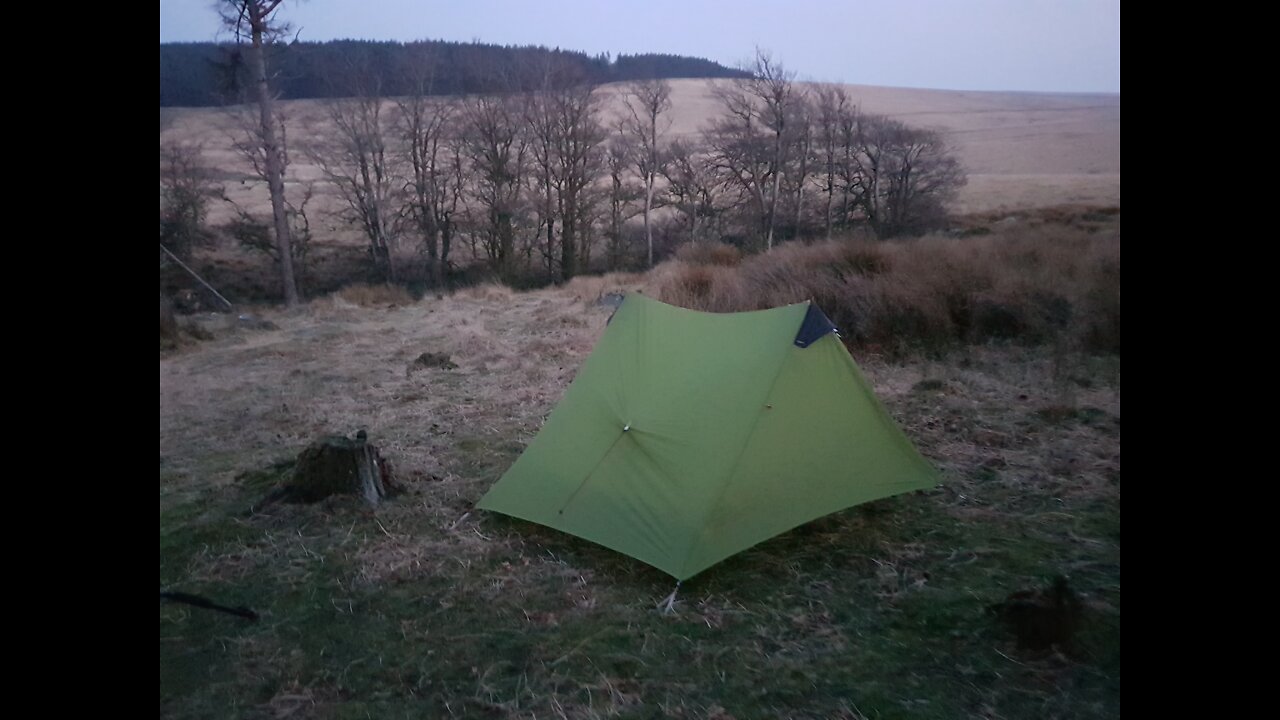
1046, 283
375, 295
710, 253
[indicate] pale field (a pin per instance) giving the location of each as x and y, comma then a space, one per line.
1020, 150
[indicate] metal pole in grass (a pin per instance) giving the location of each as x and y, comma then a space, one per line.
197, 277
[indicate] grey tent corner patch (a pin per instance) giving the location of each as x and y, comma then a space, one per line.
816, 324
611, 300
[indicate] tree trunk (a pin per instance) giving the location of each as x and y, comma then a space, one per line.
506, 245
648, 206
273, 159
437, 262
442, 267
773, 206
799, 209
568, 240
830, 198
168, 322
653, 171
549, 213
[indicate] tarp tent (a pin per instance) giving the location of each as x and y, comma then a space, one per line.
688, 437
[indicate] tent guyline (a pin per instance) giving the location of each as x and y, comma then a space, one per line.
688, 437
668, 604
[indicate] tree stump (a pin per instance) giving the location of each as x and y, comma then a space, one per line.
337, 465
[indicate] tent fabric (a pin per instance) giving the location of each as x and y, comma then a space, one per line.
688, 437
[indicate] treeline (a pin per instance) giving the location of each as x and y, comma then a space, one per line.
545, 183
206, 74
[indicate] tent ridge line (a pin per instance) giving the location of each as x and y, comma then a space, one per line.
737, 460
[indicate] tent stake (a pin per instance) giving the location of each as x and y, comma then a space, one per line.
668, 604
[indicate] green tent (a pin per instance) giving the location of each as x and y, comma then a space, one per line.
688, 437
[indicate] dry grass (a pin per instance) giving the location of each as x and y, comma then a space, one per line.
713, 288
709, 253
381, 295
1039, 283
428, 608
314, 373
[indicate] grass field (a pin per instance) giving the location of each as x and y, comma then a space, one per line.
425, 608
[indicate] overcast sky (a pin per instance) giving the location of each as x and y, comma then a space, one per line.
1041, 45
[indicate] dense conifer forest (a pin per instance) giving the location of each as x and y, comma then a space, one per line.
204, 74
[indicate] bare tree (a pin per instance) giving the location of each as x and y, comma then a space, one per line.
833, 107
496, 148
737, 151
577, 109
773, 87
247, 228
848, 167
751, 140
647, 101
800, 155
540, 121
185, 189
256, 20
254, 234
907, 174
428, 130
692, 184
563, 118
618, 158
351, 151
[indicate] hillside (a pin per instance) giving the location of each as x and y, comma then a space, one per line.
1021, 150
209, 74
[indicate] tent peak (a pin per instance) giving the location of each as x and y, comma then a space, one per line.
815, 325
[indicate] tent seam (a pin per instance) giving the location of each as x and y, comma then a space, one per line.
587, 477
737, 460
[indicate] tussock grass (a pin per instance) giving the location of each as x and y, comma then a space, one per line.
379, 295
709, 253
1040, 284
487, 291
596, 288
